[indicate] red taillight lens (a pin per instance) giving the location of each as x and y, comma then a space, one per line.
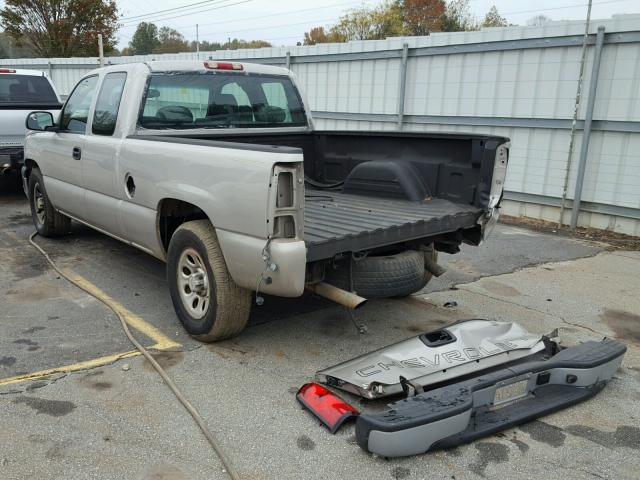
223, 66
7, 70
328, 407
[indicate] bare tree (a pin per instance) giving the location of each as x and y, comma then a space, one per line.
538, 21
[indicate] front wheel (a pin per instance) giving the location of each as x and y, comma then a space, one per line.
206, 299
47, 221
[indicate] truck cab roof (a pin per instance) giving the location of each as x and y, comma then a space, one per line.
197, 66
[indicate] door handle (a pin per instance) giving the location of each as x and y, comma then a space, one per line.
77, 154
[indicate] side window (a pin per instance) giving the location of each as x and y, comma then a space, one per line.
108, 103
276, 97
76, 112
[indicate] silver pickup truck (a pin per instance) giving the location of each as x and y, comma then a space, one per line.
216, 168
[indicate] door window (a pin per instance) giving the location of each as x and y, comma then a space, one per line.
108, 103
76, 111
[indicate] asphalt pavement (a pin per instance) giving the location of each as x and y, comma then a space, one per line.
113, 418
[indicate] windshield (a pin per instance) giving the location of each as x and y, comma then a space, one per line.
221, 100
26, 89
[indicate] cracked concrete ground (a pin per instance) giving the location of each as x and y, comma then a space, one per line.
119, 421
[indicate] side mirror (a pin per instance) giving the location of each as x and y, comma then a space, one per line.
39, 121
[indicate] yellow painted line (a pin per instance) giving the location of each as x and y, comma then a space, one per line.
96, 362
162, 341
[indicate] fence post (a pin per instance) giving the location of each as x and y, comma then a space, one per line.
288, 60
586, 133
402, 84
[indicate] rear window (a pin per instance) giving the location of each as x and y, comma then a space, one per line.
220, 100
26, 89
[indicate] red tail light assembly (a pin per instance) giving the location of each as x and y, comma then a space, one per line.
7, 70
223, 66
330, 409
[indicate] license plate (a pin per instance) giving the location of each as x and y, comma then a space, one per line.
510, 393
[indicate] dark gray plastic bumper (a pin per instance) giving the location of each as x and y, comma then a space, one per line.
464, 411
11, 158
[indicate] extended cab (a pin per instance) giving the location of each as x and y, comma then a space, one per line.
216, 168
21, 91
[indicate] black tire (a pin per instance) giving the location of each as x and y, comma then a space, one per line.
226, 306
396, 275
48, 222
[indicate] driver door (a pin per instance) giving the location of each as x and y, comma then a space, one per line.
63, 172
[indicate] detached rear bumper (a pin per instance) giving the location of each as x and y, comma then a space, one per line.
465, 411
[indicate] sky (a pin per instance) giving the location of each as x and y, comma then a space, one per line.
283, 22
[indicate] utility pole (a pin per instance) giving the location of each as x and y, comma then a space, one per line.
100, 50
197, 42
576, 109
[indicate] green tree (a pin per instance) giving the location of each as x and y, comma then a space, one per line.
145, 39
61, 28
171, 41
9, 48
457, 17
237, 44
369, 23
205, 46
494, 19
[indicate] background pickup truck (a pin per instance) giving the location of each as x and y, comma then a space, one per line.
20, 92
216, 168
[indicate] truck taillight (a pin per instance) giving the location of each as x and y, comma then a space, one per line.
499, 174
330, 409
285, 225
287, 208
223, 66
7, 70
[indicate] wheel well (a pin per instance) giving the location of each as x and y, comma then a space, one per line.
171, 214
30, 164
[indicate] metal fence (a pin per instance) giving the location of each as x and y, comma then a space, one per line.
517, 81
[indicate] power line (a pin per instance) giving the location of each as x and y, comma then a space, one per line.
540, 10
563, 7
279, 14
170, 17
312, 22
188, 6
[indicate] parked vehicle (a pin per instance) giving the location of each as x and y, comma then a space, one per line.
21, 91
217, 169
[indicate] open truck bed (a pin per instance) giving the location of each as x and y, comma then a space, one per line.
449, 176
336, 222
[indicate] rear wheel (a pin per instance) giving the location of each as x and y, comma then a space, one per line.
48, 222
206, 299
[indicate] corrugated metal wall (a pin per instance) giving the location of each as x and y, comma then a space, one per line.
519, 82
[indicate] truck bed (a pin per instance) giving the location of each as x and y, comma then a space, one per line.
336, 222
454, 169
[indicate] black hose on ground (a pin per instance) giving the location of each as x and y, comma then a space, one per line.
229, 468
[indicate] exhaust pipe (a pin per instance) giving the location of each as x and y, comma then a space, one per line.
338, 295
432, 267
